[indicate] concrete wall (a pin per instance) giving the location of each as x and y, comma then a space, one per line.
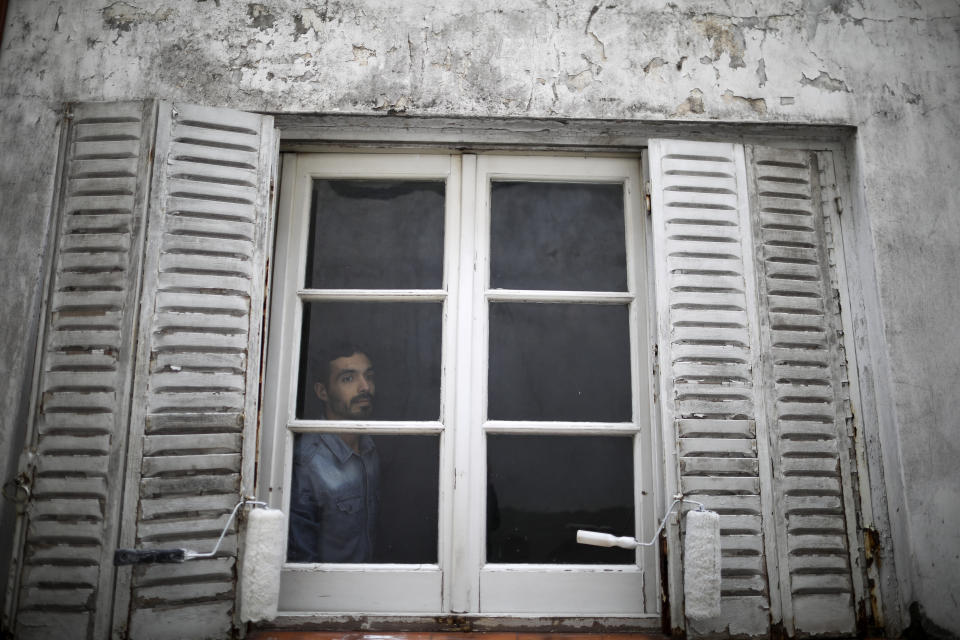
890, 68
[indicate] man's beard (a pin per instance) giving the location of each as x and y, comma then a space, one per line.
362, 405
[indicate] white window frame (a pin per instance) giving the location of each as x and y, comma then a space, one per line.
517, 589
627, 591
392, 588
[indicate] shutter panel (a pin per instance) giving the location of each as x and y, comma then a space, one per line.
145, 396
707, 347
754, 380
198, 363
807, 396
84, 373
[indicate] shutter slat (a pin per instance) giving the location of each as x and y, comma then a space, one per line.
224, 462
192, 214
155, 487
159, 530
205, 620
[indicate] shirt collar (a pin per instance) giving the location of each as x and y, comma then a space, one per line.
340, 449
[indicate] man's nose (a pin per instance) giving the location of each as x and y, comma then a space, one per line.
364, 384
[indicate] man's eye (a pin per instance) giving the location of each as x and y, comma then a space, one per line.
346, 378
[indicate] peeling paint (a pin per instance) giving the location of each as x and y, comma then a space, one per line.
725, 38
579, 81
309, 19
757, 105
599, 43
260, 16
362, 55
911, 97
761, 72
654, 64
397, 106
824, 82
693, 104
593, 12
123, 16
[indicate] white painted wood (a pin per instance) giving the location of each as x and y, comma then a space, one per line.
204, 620
380, 295
572, 297
517, 591
449, 389
707, 346
799, 327
570, 428
859, 508
462, 593
410, 589
551, 590
78, 431
197, 371
356, 589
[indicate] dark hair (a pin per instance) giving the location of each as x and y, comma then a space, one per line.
330, 352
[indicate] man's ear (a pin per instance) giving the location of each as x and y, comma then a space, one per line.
321, 390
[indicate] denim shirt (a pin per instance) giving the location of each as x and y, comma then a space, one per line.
333, 500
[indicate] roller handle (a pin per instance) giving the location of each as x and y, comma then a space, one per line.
598, 539
148, 556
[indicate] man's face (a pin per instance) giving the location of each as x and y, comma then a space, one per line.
348, 394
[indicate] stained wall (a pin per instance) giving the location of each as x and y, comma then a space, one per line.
889, 68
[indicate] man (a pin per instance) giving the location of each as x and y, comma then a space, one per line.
336, 477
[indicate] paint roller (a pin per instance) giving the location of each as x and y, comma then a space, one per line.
260, 562
701, 556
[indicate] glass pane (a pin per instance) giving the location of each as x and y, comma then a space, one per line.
399, 341
559, 362
376, 234
541, 489
360, 498
560, 236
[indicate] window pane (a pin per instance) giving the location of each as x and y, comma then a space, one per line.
401, 341
559, 362
376, 234
560, 236
360, 498
541, 489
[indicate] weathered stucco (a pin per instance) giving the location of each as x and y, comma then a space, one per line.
889, 68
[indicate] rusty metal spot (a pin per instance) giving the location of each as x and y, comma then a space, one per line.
871, 546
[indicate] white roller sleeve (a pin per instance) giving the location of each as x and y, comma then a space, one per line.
701, 565
262, 561
598, 539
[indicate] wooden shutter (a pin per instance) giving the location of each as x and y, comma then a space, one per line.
84, 373
708, 347
198, 364
807, 401
150, 370
753, 380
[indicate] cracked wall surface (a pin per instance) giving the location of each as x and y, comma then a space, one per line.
890, 68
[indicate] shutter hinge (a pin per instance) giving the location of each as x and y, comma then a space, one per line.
838, 201
646, 197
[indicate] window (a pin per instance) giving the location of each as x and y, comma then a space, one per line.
490, 315
502, 394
